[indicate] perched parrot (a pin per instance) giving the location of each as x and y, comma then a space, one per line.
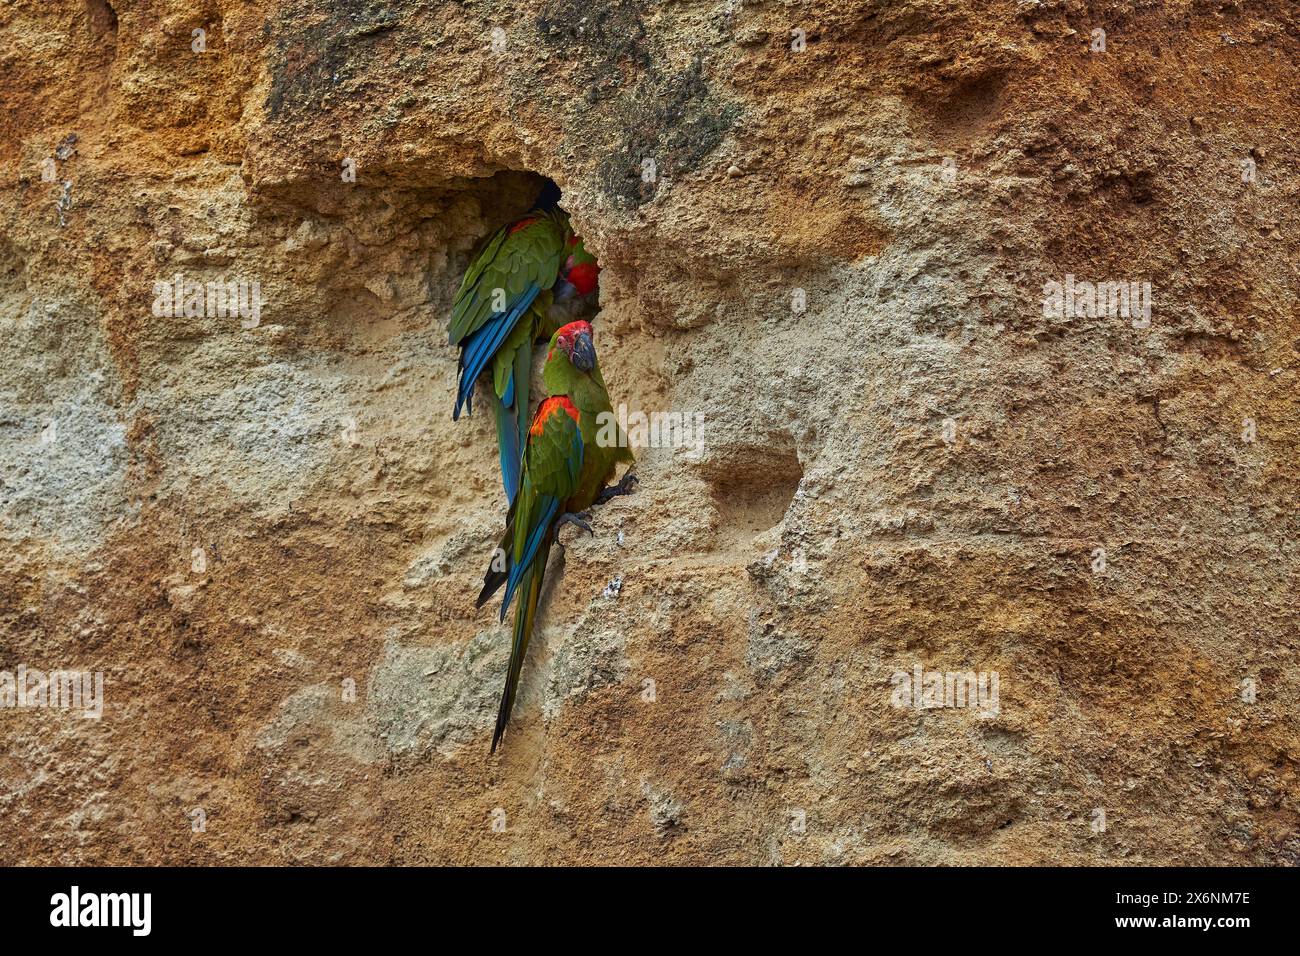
567, 464
525, 281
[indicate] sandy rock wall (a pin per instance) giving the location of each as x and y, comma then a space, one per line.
826, 230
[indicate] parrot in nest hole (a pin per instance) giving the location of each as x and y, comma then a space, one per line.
571, 455
524, 281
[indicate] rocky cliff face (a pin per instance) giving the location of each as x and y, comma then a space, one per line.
892, 258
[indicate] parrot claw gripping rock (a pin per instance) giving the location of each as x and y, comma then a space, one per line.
624, 487
579, 519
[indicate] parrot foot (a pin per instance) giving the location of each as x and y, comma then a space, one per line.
624, 487
579, 518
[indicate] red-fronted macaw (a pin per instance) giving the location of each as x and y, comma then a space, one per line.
571, 455
524, 281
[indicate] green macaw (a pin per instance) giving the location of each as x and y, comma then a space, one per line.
524, 281
574, 448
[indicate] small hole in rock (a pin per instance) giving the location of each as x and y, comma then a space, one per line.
504, 198
753, 486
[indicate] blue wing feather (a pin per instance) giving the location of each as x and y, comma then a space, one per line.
483, 344
549, 506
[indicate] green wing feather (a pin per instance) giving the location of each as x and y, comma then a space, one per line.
510, 261
549, 470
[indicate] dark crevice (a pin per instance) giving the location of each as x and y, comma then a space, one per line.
103, 18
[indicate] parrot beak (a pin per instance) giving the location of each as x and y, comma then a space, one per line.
584, 353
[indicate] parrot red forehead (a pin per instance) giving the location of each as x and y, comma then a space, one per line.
575, 328
557, 403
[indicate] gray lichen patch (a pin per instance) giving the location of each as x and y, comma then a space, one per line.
426, 700
63, 450
589, 658
658, 121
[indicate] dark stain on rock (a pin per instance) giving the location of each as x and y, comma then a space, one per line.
667, 130
658, 125
610, 35
319, 46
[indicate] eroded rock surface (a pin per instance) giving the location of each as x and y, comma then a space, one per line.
826, 230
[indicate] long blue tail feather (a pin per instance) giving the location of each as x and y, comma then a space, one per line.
508, 442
